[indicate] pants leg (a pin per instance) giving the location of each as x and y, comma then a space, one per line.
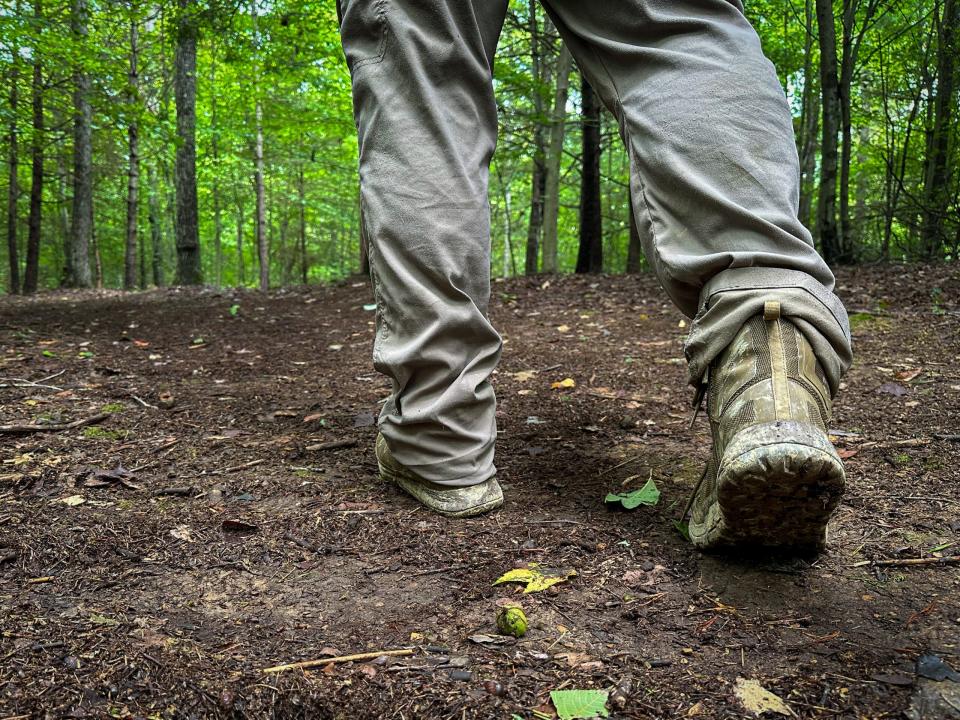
714, 168
426, 119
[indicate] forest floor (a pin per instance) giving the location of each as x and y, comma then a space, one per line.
155, 562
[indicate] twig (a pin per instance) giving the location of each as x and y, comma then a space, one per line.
339, 659
144, 402
625, 462
32, 428
39, 580
335, 445
951, 560
952, 438
23, 383
252, 463
179, 491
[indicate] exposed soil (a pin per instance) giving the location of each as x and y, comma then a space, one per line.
231, 544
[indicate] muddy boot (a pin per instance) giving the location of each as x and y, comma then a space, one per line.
774, 477
449, 501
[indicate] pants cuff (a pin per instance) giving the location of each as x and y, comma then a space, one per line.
733, 296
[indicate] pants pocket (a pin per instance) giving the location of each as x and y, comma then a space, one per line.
363, 31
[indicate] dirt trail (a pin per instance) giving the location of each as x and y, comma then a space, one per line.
231, 544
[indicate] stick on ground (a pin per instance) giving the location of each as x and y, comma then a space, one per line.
339, 659
59, 427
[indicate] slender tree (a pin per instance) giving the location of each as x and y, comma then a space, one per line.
538, 172
81, 218
827, 229
13, 163
590, 256
551, 201
133, 169
940, 163
189, 268
31, 272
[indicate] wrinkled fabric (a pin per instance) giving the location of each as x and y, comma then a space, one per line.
714, 182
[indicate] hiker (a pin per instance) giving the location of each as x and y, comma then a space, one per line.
714, 181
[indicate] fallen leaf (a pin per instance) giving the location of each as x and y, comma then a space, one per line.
536, 580
182, 532
894, 389
313, 418
97, 619
563, 328
238, 526
908, 375
524, 375
649, 494
564, 384
580, 704
758, 700
934, 668
73, 500
847, 453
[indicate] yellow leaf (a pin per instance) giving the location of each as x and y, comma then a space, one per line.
757, 699
519, 575
73, 500
563, 328
682, 323
524, 375
563, 384
536, 579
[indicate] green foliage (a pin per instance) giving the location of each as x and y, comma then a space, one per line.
311, 179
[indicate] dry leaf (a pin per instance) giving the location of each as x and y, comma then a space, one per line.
73, 500
566, 383
757, 699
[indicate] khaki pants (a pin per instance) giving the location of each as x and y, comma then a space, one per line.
714, 179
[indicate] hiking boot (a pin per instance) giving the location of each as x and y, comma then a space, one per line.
774, 477
450, 501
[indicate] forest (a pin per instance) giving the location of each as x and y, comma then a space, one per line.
212, 142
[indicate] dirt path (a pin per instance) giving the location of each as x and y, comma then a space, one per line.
231, 543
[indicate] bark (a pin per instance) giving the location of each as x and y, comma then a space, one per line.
634, 246
13, 162
241, 270
827, 229
937, 183
302, 229
189, 270
133, 173
81, 217
551, 201
32, 269
809, 121
217, 208
263, 251
156, 232
590, 256
538, 174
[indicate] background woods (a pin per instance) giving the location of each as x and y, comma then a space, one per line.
212, 141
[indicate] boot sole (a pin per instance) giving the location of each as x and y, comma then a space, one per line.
777, 486
411, 487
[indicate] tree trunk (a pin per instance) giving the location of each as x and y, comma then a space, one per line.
537, 176
156, 232
81, 218
13, 162
189, 268
241, 270
32, 270
217, 207
634, 246
263, 250
551, 201
302, 228
133, 174
829, 89
809, 121
590, 256
936, 186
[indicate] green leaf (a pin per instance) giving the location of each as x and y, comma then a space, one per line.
681, 527
647, 495
579, 704
234, 309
